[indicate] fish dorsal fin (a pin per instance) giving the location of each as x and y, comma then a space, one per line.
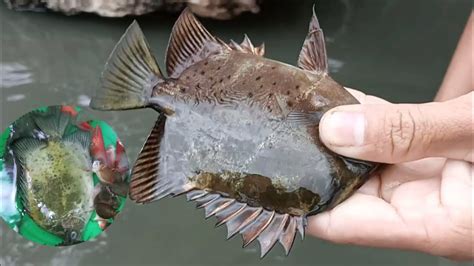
53, 122
189, 43
313, 54
80, 137
247, 47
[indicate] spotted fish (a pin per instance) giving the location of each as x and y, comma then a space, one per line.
49, 155
236, 132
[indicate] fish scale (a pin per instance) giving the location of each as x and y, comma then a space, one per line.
237, 132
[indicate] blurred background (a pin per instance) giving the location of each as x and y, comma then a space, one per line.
397, 49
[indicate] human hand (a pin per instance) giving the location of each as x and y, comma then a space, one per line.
423, 200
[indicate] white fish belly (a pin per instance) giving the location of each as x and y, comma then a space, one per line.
209, 138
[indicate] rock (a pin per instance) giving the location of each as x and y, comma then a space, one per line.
219, 9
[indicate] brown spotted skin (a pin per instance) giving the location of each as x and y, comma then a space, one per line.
233, 77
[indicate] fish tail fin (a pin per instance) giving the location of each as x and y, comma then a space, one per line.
130, 74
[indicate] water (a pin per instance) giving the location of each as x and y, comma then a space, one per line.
395, 49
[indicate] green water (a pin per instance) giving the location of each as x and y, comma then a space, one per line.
396, 49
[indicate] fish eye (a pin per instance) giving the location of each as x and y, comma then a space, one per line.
73, 235
96, 165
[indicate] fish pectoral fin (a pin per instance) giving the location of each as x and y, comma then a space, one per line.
304, 119
147, 185
189, 43
313, 55
253, 223
130, 74
22, 148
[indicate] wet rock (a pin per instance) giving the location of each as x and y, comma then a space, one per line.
219, 9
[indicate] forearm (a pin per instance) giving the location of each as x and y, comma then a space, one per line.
458, 79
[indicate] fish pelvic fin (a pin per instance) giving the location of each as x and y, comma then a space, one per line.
130, 74
252, 223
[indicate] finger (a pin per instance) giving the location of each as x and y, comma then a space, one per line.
360, 220
364, 98
371, 187
371, 221
393, 133
396, 175
456, 187
456, 198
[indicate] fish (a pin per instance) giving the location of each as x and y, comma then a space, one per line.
50, 157
237, 133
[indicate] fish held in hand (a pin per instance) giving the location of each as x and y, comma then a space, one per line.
236, 132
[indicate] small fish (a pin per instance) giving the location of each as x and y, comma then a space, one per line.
52, 167
236, 132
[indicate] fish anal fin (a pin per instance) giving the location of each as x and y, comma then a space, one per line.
300, 225
287, 238
272, 233
254, 229
217, 206
268, 227
206, 200
240, 221
313, 55
228, 213
146, 184
195, 194
189, 43
247, 47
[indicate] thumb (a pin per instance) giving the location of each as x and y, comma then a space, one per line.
392, 133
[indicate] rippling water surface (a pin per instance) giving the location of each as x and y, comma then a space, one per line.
395, 49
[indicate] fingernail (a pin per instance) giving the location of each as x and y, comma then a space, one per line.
343, 128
